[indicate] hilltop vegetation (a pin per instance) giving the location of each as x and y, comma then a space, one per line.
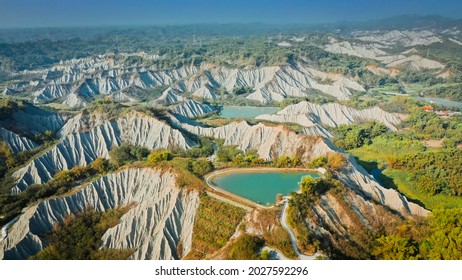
79, 237
215, 223
437, 238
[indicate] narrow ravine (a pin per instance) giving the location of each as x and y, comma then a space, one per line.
5, 229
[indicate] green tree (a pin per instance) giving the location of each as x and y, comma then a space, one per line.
445, 239
246, 247
121, 155
395, 247
160, 155
201, 167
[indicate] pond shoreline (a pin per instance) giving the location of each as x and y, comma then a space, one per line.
209, 178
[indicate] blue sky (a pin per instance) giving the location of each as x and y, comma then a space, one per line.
39, 13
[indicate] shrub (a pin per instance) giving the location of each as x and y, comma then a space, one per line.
227, 153
125, 154
336, 161
246, 247
201, 167
160, 155
318, 162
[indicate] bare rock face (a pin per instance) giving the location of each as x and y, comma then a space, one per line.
161, 220
205, 92
169, 97
35, 120
376, 49
415, 62
85, 139
193, 109
16, 142
75, 82
356, 177
344, 222
269, 141
317, 130
331, 114
405, 38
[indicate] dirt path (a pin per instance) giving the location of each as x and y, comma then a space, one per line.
293, 239
232, 202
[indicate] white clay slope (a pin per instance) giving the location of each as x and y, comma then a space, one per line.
193, 109
162, 217
331, 114
406, 38
75, 82
377, 52
15, 142
81, 145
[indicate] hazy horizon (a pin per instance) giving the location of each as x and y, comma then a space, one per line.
105, 13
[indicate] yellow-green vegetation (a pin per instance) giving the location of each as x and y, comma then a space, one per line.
401, 180
427, 176
182, 168
215, 223
354, 136
247, 247
79, 237
9, 105
160, 155
300, 207
430, 126
376, 154
438, 238
12, 204
7, 159
272, 232
433, 172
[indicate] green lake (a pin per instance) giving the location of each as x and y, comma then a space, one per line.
246, 112
261, 187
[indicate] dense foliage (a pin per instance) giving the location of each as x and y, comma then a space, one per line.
438, 238
246, 247
227, 153
7, 159
432, 126
203, 149
79, 237
200, 167
354, 136
125, 153
433, 172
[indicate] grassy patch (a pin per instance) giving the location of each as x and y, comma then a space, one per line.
215, 223
399, 179
384, 147
376, 154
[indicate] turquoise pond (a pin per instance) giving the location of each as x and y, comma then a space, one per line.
261, 187
246, 112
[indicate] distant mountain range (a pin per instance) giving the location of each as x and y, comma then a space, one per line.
401, 22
